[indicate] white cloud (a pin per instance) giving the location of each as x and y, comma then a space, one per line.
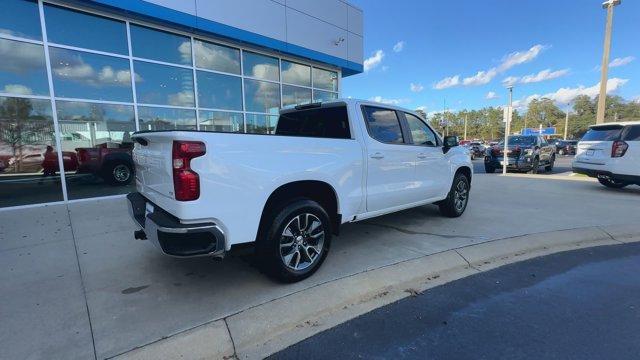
520, 57
637, 99
382, 100
564, 96
491, 95
621, 61
447, 82
509, 81
483, 77
416, 87
17, 89
421, 108
399, 46
543, 75
374, 60
182, 98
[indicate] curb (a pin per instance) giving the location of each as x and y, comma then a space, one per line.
267, 328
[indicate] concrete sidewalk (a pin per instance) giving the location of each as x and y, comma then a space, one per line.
75, 283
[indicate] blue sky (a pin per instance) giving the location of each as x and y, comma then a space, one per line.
463, 50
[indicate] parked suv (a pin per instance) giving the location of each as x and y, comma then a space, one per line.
524, 153
564, 147
610, 153
200, 193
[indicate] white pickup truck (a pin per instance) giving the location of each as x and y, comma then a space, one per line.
200, 193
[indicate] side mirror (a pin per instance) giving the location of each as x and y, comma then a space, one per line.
449, 142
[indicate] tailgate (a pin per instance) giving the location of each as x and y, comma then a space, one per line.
152, 158
594, 152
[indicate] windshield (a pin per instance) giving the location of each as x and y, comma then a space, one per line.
520, 140
603, 133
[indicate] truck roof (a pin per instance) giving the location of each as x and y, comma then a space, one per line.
351, 101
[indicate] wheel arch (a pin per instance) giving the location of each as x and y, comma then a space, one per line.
319, 191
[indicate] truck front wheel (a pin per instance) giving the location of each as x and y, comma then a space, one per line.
296, 241
456, 202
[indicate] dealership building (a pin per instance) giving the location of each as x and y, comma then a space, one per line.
77, 78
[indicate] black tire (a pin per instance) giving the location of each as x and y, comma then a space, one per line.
610, 183
454, 205
489, 169
535, 166
272, 256
118, 173
549, 168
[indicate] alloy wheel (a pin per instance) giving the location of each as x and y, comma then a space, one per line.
461, 195
302, 241
121, 173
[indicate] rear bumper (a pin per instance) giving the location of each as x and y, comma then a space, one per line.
172, 237
606, 174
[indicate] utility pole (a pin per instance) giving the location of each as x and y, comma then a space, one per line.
507, 126
465, 126
566, 124
602, 98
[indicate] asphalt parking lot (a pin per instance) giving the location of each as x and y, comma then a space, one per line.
579, 304
75, 284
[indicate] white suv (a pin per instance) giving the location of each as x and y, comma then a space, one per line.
611, 153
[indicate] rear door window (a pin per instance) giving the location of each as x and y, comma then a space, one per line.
603, 133
328, 122
383, 125
632, 133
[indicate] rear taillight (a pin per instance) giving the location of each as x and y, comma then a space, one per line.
496, 151
619, 148
186, 182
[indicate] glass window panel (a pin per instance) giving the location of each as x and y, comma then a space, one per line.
160, 45
294, 95
324, 79
70, 27
383, 125
22, 68
20, 18
29, 167
217, 57
163, 85
99, 136
324, 96
261, 124
420, 132
261, 96
84, 75
221, 121
261, 66
217, 91
296, 74
325, 122
153, 118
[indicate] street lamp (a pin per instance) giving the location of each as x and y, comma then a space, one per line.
507, 127
609, 4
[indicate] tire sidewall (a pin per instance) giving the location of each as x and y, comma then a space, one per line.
270, 246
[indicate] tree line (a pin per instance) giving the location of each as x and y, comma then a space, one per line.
486, 123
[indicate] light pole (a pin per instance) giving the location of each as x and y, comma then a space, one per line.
507, 126
609, 4
566, 124
465, 126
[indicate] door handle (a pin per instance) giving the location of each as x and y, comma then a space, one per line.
422, 155
377, 155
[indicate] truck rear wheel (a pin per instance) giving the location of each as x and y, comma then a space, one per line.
456, 202
296, 241
118, 173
